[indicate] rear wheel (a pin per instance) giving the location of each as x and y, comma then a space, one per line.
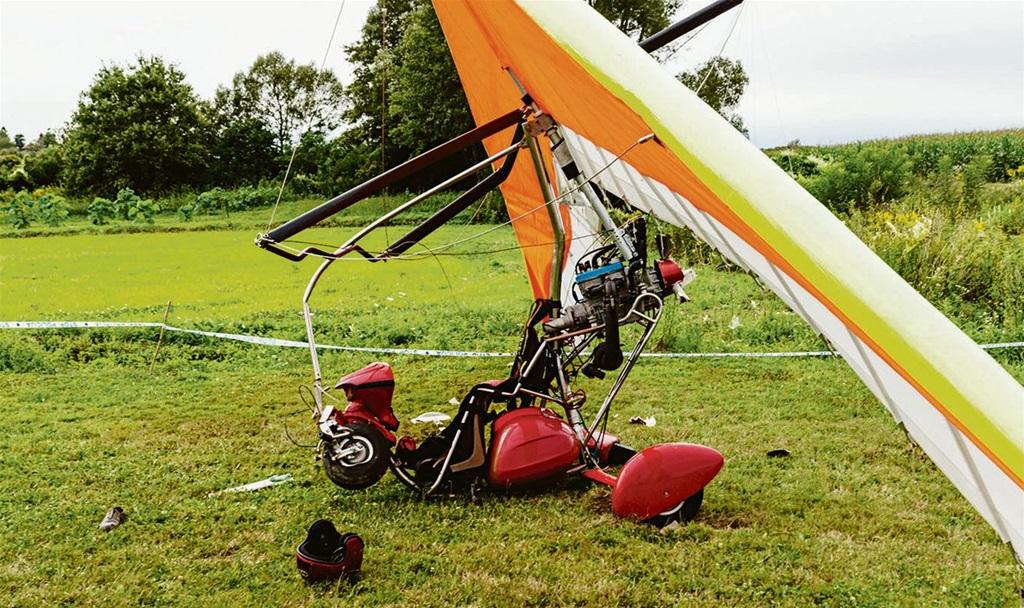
683, 512
357, 460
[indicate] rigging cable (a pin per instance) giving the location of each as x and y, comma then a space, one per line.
449, 245
775, 92
674, 48
383, 94
420, 256
714, 64
295, 148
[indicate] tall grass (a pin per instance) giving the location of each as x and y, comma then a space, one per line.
958, 262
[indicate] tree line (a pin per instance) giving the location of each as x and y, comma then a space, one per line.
142, 126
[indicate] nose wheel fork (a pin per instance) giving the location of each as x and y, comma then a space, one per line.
682, 513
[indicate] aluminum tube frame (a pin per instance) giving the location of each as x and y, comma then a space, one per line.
557, 228
419, 198
581, 183
687, 24
352, 245
377, 223
634, 356
583, 433
389, 177
462, 202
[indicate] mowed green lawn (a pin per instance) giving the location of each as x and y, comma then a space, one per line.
854, 517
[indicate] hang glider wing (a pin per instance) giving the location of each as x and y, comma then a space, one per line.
957, 403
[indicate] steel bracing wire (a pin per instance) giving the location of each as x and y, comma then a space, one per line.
441, 249
295, 148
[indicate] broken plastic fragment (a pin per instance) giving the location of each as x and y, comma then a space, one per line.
273, 480
436, 418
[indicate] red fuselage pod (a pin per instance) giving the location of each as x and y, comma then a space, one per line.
660, 477
369, 391
530, 445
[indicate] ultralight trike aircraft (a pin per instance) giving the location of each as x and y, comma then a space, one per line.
577, 120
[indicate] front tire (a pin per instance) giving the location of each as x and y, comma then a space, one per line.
683, 512
357, 460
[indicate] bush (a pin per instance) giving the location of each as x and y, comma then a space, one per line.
185, 212
21, 210
143, 211
942, 187
129, 206
52, 209
797, 162
861, 177
248, 197
100, 211
12, 172
126, 199
44, 166
972, 179
304, 184
955, 262
211, 201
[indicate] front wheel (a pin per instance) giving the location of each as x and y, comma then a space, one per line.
683, 512
359, 459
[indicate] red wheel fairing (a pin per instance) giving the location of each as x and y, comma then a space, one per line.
662, 476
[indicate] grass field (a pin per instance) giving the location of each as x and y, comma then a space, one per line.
854, 517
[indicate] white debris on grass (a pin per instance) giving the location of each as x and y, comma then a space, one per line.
438, 418
648, 421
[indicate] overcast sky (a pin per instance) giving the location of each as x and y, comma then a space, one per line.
820, 70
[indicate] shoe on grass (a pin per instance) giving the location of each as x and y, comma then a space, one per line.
115, 517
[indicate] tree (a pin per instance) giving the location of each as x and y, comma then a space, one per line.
139, 126
5, 140
243, 150
286, 98
26, 166
375, 59
426, 95
425, 77
45, 140
720, 82
44, 165
637, 18
403, 68
12, 171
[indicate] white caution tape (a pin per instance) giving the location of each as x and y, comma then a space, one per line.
802, 353
245, 338
398, 351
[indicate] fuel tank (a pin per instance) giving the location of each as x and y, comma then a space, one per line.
530, 445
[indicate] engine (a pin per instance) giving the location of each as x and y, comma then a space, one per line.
609, 292
607, 286
612, 284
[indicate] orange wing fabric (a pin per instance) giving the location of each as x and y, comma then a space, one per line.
491, 93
